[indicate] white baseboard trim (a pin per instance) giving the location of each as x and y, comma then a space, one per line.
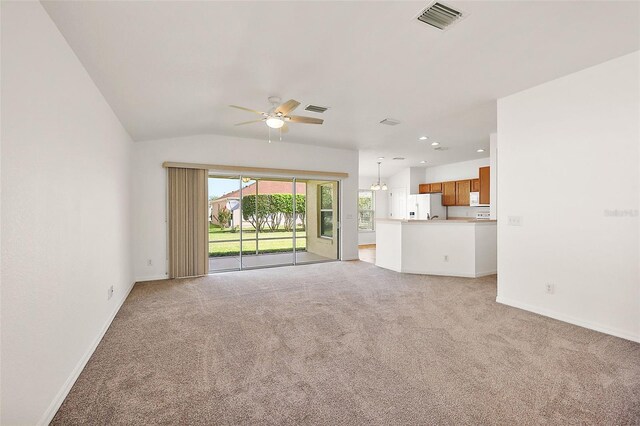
152, 278
570, 319
438, 273
446, 273
486, 274
75, 373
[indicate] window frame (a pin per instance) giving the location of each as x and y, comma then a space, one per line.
372, 210
325, 210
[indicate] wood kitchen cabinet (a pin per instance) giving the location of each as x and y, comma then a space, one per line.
436, 187
463, 188
484, 181
449, 193
429, 188
475, 185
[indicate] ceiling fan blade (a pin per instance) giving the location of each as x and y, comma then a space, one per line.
287, 107
247, 109
306, 120
248, 122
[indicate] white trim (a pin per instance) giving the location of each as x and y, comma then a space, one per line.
348, 259
75, 373
569, 319
153, 278
486, 273
448, 273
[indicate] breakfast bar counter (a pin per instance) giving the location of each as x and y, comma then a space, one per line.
456, 247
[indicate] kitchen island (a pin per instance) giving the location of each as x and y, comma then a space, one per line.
456, 247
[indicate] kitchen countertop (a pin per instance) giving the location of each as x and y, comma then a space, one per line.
439, 221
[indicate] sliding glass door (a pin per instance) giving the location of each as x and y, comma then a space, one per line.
258, 222
225, 222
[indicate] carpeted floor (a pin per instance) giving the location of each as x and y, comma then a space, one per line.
347, 343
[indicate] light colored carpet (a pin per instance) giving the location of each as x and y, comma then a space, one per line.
347, 343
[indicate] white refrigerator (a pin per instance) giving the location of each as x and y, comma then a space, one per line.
425, 206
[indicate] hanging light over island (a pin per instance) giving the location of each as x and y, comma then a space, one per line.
378, 186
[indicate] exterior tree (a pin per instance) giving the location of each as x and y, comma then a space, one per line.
223, 217
273, 210
255, 210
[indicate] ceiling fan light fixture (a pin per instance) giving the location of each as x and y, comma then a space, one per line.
275, 122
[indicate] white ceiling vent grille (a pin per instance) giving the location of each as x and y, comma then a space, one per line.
390, 122
440, 16
316, 108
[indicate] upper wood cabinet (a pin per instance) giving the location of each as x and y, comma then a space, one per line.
457, 193
436, 187
449, 193
485, 191
463, 188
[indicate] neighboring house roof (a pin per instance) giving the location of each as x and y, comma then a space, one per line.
266, 187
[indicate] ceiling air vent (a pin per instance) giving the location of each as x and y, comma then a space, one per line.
440, 16
316, 108
398, 158
390, 122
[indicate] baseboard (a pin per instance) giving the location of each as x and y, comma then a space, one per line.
486, 273
64, 391
568, 318
347, 258
152, 278
438, 273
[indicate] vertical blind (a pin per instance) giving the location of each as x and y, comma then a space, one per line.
188, 233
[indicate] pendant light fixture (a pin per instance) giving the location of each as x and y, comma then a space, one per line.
378, 186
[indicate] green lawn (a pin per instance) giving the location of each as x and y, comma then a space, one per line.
227, 243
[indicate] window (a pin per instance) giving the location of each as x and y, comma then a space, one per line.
366, 211
326, 210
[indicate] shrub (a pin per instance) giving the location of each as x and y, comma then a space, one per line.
273, 210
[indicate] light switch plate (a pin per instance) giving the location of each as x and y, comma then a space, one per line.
515, 220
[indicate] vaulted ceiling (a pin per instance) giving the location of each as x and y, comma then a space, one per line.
171, 68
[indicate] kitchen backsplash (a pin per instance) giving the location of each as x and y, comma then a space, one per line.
462, 211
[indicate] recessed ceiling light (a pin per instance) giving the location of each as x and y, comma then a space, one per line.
422, 162
480, 150
435, 143
423, 138
380, 158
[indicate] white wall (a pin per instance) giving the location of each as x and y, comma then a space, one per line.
381, 208
493, 175
455, 171
568, 154
149, 188
65, 215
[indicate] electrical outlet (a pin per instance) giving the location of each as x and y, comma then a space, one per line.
446, 257
549, 288
515, 220
109, 293
149, 262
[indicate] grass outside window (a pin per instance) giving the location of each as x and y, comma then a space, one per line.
227, 242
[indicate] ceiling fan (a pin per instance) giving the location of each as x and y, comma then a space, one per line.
278, 116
